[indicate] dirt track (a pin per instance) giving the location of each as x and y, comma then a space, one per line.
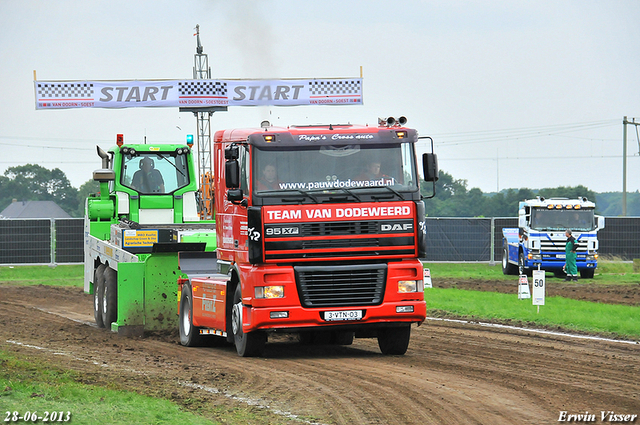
452, 374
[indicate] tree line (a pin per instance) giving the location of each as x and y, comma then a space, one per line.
32, 182
454, 199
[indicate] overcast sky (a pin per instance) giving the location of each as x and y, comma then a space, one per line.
514, 93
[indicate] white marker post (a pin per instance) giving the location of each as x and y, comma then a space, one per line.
539, 288
523, 287
427, 278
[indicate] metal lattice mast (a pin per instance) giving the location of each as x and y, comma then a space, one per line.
201, 71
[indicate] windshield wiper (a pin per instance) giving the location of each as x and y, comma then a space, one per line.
349, 192
174, 165
303, 192
389, 188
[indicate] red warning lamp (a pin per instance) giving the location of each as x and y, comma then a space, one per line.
119, 139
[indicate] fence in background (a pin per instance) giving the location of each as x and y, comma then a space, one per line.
59, 241
42, 241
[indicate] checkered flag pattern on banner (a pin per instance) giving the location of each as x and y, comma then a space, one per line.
334, 87
65, 90
202, 88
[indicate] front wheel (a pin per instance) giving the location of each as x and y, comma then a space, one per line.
394, 340
521, 268
248, 344
189, 334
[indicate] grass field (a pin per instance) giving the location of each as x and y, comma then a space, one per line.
61, 275
608, 272
30, 386
613, 320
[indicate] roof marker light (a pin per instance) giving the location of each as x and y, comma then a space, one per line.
119, 139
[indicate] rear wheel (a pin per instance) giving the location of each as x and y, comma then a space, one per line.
394, 340
189, 334
507, 267
110, 297
248, 344
98, 290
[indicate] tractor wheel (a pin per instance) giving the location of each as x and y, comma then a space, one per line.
507, 268
98, 291
247, 344
189, 334
394, 340
110, 297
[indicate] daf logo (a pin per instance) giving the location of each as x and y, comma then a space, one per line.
396, 227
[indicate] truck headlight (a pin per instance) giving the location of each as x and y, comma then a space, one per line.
410, 285
269, 291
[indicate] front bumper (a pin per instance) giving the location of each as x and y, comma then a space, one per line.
255, 318
551, 265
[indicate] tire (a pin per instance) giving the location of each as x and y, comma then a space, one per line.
110, 297
394, 341
521, 268
249, 344
587, 273
189, 334
507, 268
98, 291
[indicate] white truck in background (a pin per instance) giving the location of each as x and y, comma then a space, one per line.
540, 237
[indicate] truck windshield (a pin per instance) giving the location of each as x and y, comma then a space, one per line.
154, 173
343, 168
545, 219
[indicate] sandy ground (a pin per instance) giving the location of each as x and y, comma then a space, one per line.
453, 373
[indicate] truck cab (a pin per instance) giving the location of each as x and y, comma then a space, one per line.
540, 238
320, 230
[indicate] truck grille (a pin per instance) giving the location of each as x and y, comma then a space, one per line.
340, 239
339, 286
558, 246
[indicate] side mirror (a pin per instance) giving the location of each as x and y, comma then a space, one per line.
104, 175
522, 221
235, 195
232, 174
600, 222
231, 152
430, 167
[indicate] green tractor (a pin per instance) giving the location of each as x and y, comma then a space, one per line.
145, 214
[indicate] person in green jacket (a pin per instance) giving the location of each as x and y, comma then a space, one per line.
570, 257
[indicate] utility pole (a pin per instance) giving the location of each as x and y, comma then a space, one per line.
201, 71
624, 161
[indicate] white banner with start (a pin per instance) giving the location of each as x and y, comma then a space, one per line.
196, 93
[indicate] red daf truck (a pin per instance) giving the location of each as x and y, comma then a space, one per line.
319, 231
